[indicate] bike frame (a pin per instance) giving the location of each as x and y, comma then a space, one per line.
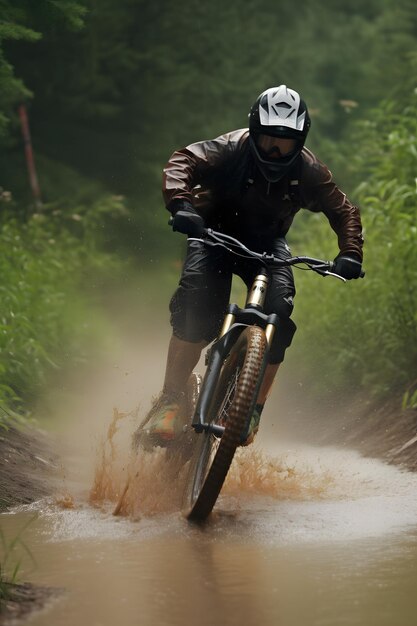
237, 319
235, 322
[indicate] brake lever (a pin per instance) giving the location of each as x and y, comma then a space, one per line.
198, 239
325, 273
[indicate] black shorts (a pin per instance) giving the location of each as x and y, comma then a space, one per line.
200, 302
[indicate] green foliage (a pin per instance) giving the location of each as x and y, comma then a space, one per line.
409, 400
45, 261
21, 21
365, 334
9, 564
143, 78
117, 85
12, 89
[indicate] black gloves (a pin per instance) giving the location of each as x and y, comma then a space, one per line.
347, 266
186, 219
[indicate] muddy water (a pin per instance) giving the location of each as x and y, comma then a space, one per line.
302, 536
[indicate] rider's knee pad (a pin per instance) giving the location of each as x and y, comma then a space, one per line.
283, 306
282, 339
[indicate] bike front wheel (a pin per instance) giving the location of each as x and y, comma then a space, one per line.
234, 400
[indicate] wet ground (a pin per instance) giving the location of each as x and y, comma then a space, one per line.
302, 535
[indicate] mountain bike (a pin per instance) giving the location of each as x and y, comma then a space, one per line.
225, 399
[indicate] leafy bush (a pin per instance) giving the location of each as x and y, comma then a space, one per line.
365, 334
44, 261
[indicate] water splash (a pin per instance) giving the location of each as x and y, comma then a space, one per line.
109, 474
152, 483
147, 483
65, 501
256, 472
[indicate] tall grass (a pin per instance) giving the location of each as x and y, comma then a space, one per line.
364, 334
46, 260
10, 561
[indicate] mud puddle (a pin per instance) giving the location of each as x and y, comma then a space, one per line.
301, 536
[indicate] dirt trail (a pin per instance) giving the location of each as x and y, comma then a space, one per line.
26, 465
26, 468
376, 428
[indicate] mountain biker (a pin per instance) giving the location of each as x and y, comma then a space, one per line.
248, 183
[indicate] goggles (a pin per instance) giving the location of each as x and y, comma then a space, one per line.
275, 147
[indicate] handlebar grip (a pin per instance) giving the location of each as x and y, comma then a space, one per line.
332, 265
203, 232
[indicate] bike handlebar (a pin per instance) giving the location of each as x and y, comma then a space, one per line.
213, 238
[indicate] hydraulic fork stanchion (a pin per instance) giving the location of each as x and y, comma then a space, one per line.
256, 299
269, 333
228, 321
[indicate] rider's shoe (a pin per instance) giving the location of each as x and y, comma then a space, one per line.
162, 424
253, 425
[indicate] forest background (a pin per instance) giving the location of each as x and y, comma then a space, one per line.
113, 87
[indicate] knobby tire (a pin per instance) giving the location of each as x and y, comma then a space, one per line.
235, 395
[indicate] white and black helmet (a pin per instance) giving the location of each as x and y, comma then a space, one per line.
278, 112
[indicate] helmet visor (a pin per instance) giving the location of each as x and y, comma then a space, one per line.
275, 147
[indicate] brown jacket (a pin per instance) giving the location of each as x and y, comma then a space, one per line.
220, 179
